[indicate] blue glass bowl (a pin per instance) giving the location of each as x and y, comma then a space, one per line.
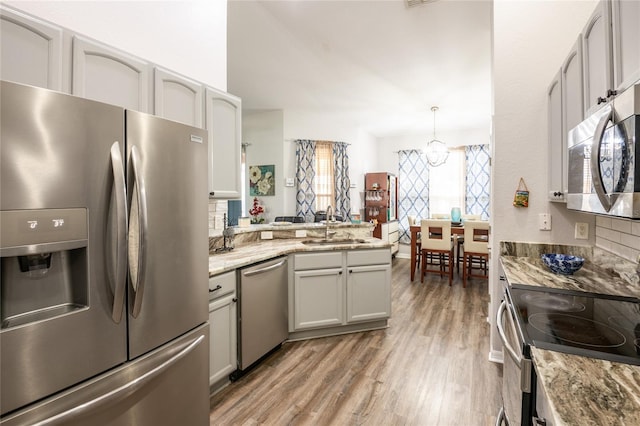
564, 264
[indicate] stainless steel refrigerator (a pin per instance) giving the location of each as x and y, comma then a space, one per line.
104, 273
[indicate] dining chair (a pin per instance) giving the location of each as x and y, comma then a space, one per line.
460, 239
475, 250
437, 247
412, 222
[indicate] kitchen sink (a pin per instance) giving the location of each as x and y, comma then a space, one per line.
330, 241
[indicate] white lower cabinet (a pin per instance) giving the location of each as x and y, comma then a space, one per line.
319, 298
223, 346
338, 288
368, 292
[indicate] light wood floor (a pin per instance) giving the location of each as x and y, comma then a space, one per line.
429, 367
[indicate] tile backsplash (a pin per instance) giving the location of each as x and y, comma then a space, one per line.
619, 236
217, 210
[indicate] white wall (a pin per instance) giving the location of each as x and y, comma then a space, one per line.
272, 133
388, 147
300, 124
263, 130
530, 41
186, 36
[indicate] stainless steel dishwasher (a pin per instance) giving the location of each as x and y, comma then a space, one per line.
263, 311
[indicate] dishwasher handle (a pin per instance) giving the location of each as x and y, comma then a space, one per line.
265, 269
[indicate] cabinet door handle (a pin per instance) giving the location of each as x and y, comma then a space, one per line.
601, 100
218, 287
611, 93
340, 273
235, 299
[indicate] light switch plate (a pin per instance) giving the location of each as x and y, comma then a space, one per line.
544, 221
301, 233
266, 235
289, 182
582, 231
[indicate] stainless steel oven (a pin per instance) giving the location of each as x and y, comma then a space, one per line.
517, 372
586, 324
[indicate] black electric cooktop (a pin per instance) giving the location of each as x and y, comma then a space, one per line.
597, 326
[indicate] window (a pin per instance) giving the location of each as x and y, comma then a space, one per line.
324, 184
322, 176
462, 181
447, 184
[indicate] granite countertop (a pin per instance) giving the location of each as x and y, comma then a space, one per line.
586, 391
592, 277
268, 249
581, 390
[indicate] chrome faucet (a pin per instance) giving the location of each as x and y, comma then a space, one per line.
329, 214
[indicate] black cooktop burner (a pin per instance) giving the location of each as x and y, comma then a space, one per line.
577, 330
599, 326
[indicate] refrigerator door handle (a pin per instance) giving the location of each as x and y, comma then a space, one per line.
120, 272
138, 234
122, 391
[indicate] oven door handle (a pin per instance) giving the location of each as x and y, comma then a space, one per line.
523, 364
503, 336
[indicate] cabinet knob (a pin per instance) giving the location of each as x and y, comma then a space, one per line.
235, 299
611, 93
601, 100
212, 193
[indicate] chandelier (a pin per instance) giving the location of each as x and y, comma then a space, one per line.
436, 151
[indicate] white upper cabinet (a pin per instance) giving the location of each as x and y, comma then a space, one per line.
625, 16
611, 51
177, 98
108, 75
557, 141
596, 51
224, 123
573, 104
30, 50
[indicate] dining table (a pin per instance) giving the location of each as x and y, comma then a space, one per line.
415, 230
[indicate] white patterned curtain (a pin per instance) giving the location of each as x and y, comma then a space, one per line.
305, 174
341, 179
413, 191
478, 180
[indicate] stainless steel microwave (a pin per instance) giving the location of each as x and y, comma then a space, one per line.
604, 174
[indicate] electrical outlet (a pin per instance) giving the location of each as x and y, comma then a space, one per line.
582, 231
544, 222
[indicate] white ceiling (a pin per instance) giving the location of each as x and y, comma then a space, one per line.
377, 64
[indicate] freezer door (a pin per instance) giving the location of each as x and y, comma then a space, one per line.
169, 386
168, 230
57, 184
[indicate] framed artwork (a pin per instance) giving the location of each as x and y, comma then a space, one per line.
261, 180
